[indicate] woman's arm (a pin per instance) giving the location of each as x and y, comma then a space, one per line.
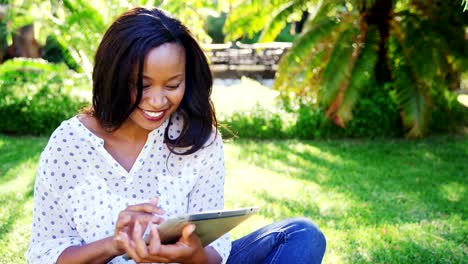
101, 251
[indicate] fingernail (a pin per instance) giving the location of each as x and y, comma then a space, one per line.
192, 228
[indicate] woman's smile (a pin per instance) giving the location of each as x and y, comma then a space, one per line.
153, 115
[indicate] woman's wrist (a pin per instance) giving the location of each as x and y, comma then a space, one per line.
111, 247
101, 251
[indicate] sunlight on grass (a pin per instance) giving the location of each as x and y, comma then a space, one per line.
453, 191
15, 210
379, 201
19, 178
16, 242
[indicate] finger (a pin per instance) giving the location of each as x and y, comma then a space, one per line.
128, 246
155, 241
140, 245
175, 251
183, 248
129, 217
123, 220
187, 232
145, 207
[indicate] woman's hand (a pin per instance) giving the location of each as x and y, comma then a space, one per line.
134, 217
187, 250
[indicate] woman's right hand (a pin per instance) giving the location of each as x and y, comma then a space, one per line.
144, 214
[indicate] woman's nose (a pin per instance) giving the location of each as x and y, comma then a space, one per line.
157, 98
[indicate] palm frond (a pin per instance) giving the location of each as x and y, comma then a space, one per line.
361, 74
322, 12
307, 40
411, 89
279, 20
338, 68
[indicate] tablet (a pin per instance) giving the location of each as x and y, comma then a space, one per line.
210, 225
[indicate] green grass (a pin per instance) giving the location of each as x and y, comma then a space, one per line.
377, 201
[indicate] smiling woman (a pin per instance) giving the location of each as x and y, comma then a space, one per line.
147, 149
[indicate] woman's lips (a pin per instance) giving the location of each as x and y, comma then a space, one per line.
153, 115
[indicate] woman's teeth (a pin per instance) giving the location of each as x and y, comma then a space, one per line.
153, 114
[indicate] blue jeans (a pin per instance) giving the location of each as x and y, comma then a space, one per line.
296, 240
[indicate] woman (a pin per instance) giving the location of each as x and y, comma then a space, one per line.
148, 149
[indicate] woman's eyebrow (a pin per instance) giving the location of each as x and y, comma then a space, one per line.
173, 77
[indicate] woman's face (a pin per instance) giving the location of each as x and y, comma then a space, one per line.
163, 86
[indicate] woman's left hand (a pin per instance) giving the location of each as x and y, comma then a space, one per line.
187, 250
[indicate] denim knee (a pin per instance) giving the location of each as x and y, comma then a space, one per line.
311, 231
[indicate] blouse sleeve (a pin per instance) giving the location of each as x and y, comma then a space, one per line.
51, 232
208, 192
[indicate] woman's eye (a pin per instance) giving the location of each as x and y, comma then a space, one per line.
173, 86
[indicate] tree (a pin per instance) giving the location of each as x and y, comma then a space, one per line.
415, 48
80, 24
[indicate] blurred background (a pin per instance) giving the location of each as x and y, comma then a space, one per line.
353, 113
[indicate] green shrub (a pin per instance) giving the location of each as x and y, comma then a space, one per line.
309, 123
35, 96
447, 112
375, 115
258, 123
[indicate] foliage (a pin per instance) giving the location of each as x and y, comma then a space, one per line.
36, 96
258, 123
79, 25
214, 26
412, 48
376, 115
56, 52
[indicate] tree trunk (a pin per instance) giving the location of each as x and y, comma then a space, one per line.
24, 44
380, 14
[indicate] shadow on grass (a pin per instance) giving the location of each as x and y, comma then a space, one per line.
418, 185
398, 182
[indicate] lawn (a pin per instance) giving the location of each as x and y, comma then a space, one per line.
377, 201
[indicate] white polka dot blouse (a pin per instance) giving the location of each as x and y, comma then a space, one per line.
80, 189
